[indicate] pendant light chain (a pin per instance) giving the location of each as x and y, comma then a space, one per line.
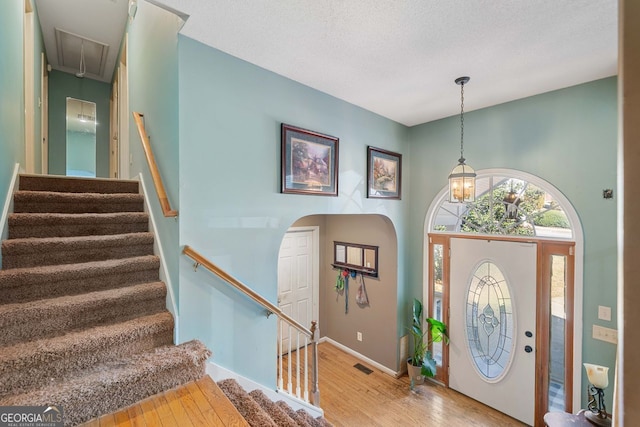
462, 122
462, 179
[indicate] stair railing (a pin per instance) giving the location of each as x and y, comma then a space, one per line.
299, 338
153, 167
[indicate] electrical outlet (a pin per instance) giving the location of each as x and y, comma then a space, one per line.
604, 313
359, 336
605, 334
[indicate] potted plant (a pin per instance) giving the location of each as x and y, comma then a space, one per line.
421, 363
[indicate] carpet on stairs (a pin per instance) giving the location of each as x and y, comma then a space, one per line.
260, 411
82, 308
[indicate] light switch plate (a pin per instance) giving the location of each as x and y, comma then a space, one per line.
605, 334
604, 313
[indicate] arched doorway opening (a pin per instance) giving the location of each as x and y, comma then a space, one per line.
512, 209
368, 331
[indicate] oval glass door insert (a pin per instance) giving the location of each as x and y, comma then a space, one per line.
490, 322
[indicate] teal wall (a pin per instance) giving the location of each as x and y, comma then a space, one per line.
11, 88
153, 91
567, 137
230, 117
61, 86
81, 153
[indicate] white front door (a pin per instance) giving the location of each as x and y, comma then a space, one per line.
296, 281
492, 324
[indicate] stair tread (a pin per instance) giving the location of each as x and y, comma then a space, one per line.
120, 383
126, 365
22, 218
76, 184
37, 244
32, 320
8, 277
57, 346
22, 195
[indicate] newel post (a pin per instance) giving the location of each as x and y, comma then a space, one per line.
315, 391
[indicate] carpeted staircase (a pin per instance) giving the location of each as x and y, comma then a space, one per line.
259, 411
82, 310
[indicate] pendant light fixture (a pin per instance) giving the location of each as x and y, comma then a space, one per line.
511, 202
462, 180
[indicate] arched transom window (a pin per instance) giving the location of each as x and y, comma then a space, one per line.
507, 206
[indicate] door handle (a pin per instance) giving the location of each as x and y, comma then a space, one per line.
528, 348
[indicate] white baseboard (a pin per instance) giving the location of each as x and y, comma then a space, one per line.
218, 373
164, 273
362, 357
8, 203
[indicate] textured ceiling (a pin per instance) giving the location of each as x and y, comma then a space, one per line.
399, 58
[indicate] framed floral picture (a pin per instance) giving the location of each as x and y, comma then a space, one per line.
309, 162
384, 174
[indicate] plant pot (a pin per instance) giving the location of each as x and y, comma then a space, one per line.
415, 374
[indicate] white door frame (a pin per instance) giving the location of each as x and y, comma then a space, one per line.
114, 146
123, 113
44, 114
315, 263
29, 107
578, 238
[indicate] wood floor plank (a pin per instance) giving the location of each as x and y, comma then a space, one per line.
107, 420
164, 411
190, 407
223, 407
151, 417
178, 411
210, 415
136, 418
122, 419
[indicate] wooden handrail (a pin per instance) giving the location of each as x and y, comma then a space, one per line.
200, 260
155, 173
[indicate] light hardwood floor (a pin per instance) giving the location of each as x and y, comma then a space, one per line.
349, 397
196, 404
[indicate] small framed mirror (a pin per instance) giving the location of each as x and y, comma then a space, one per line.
354, 256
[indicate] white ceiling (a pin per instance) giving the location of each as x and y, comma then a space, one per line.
101, 21
399, 58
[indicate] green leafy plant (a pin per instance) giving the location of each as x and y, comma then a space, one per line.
436, 332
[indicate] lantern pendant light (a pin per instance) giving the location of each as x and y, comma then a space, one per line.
462, 180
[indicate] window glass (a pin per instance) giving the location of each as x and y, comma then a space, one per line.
489, 321
557, 333
437, 297
505, 206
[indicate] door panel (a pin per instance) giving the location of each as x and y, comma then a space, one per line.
295, 280
492, 324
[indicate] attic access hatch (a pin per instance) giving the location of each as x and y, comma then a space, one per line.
70, 46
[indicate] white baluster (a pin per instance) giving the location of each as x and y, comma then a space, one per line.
280, 377
289, 385
306, 369
298, 366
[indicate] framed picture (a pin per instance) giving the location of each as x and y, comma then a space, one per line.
309, 162
384, 174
